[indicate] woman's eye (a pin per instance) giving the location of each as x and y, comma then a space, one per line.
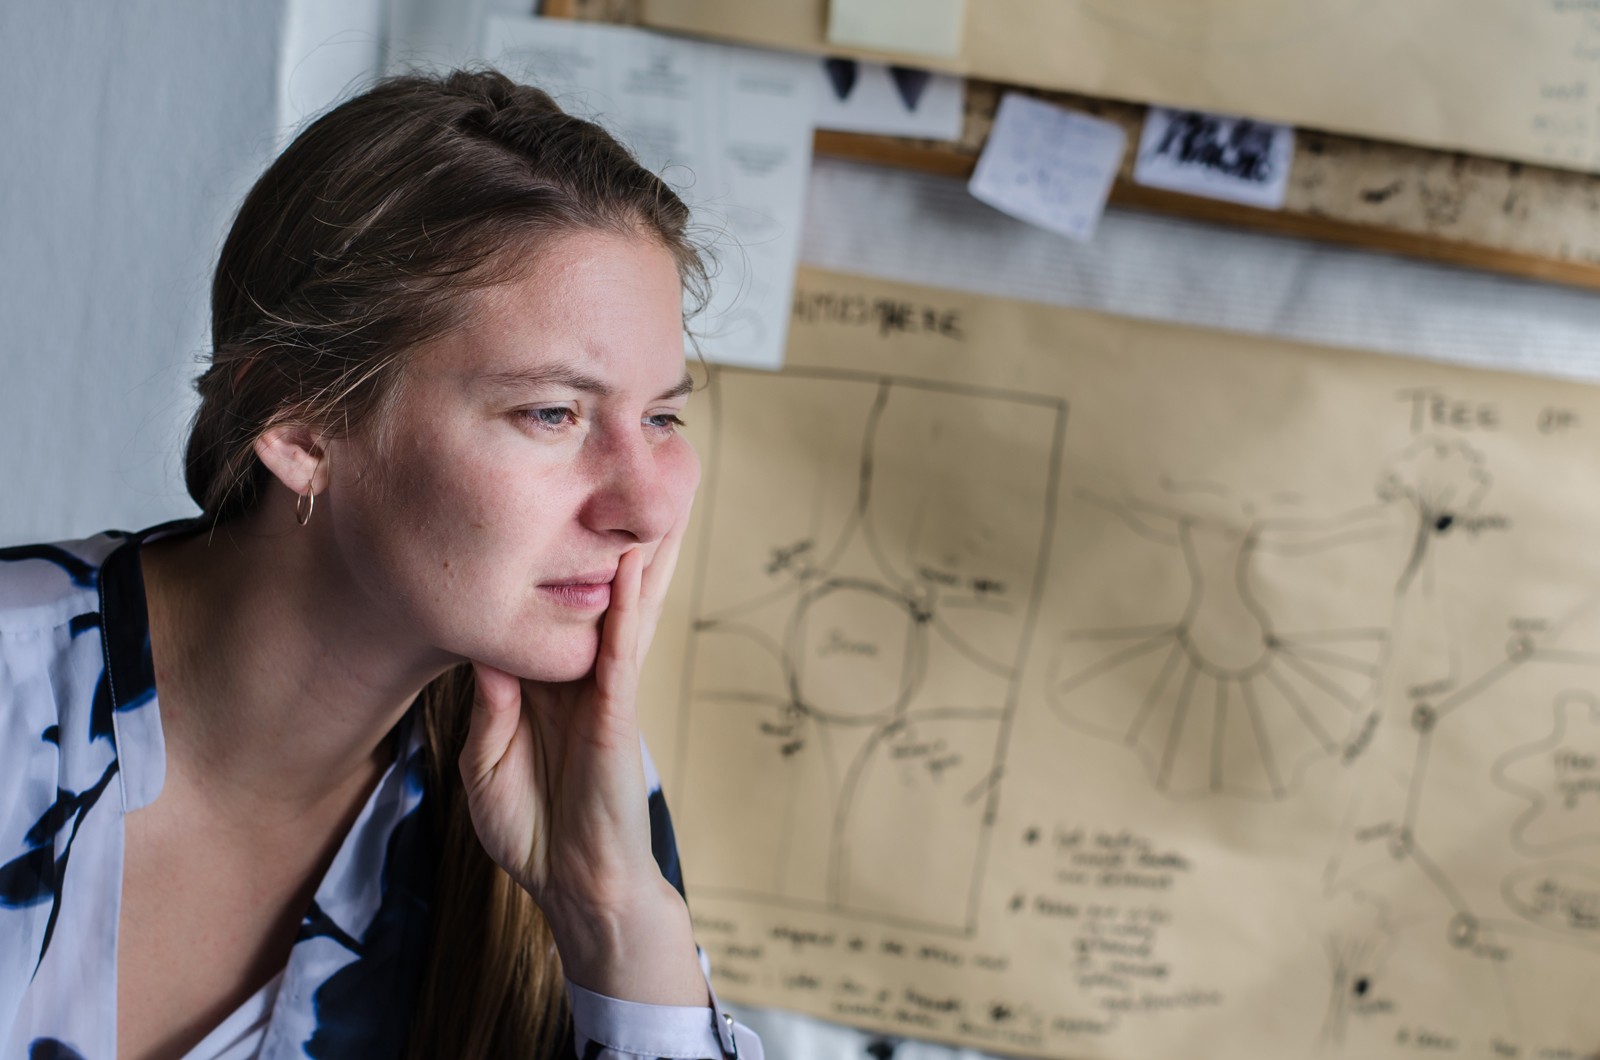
552, 417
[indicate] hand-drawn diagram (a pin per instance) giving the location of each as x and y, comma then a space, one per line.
1441, 484
1231, 698
1251, 710
1455, 887
1549, 775
864, 654
1223, 701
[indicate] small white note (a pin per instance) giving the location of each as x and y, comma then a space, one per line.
1215, 156
919, 27
1049, 166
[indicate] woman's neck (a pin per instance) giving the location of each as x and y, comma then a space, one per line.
277, 687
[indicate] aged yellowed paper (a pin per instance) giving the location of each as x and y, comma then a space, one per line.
1507, 78
1079, 687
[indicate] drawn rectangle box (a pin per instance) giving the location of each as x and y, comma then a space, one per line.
875, 548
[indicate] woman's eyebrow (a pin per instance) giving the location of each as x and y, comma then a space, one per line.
684, 388
570, 378
556, 375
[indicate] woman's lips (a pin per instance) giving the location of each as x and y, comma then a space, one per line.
590, 591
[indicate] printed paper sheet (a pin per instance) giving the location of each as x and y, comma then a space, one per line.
1506, 78
1072, 686
728, 128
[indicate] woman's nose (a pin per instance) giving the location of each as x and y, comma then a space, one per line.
631, 494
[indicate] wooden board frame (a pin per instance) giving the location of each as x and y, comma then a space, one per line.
1508, 217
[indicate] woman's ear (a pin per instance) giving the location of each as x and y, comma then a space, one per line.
295, 455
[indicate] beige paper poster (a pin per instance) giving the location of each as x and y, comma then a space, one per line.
1071, 686
1506, 78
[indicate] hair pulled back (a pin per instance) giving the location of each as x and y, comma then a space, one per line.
358, 241
356, 245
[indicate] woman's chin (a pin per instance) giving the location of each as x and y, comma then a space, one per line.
560, 659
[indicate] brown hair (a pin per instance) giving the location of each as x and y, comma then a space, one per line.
355, 246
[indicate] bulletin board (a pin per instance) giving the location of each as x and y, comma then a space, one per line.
1539, 220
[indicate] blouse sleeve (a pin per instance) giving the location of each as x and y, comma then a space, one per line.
605, 1028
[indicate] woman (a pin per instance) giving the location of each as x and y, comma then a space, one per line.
339, 768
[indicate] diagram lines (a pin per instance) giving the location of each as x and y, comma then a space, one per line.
920, 575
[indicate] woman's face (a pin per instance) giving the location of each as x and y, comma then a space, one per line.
524, 454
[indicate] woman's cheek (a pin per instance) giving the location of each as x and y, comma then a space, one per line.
683, 472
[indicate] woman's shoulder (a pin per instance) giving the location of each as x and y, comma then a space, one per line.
53, 662
57, 760
45, 586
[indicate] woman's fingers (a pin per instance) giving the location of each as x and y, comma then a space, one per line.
496, 709
659, 574
657, 579
616, 670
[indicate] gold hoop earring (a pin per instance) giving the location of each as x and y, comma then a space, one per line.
303, 504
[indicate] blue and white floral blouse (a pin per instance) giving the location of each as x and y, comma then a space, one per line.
81, 747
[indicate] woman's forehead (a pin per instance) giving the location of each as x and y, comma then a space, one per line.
595, 305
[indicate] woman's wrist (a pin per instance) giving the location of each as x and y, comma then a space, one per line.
640, 949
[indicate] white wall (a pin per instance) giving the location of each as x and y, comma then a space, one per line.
331, 50
130, 131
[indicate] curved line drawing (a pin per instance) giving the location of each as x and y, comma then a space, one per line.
913, 663
1560, 896
1587, 833
755, 636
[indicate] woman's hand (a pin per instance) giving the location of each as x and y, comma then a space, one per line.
555, 784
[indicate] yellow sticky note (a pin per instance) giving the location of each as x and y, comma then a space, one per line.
919, 27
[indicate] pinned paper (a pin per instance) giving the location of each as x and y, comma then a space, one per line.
1049, 166
862, 97
729, 128
1179, 673
920, 27
1215, 156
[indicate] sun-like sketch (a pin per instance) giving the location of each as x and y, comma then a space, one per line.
1221, 699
